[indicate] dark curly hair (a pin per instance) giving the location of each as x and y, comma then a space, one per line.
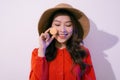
73, 44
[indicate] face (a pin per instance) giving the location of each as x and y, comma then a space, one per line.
64, 26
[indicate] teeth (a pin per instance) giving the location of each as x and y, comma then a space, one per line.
62, 34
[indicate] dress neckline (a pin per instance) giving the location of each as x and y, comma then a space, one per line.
61, 48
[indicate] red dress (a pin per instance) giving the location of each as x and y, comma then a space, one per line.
61, 68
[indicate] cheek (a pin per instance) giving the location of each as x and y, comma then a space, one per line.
70, 31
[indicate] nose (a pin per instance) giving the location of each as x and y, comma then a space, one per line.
62, 29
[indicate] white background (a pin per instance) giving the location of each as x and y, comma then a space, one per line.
19, 36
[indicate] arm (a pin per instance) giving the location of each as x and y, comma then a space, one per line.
39, 67
90, 74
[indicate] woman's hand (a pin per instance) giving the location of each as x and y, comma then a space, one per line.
44, 41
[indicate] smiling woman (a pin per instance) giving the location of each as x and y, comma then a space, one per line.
60, 55
64, 27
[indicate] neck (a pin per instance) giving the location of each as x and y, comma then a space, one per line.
60, 45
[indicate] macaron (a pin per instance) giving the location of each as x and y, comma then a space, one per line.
53, 31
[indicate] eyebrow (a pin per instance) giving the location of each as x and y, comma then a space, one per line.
59, 21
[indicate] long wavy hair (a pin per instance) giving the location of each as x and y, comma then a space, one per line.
73, 44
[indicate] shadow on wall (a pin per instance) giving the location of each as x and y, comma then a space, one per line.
97, 42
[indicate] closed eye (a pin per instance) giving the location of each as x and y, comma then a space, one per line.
68, 25
57, 24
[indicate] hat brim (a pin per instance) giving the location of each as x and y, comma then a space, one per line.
82, 18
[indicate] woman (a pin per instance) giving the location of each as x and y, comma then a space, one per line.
62, 56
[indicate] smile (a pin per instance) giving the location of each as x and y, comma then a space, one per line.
62, 36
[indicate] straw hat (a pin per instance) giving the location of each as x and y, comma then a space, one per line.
82, 18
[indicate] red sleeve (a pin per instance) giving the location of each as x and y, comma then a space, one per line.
39, 67
90, 74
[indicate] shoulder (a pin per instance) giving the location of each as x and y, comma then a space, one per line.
86, 50
35, 52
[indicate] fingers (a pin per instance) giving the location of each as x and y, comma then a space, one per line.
47, 30
42, 36
45, 36
46, 39
50, 40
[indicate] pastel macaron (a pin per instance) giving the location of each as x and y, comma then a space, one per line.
53, 31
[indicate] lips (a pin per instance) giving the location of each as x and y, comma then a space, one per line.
62, 36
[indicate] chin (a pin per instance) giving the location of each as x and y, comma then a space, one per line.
62, 41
